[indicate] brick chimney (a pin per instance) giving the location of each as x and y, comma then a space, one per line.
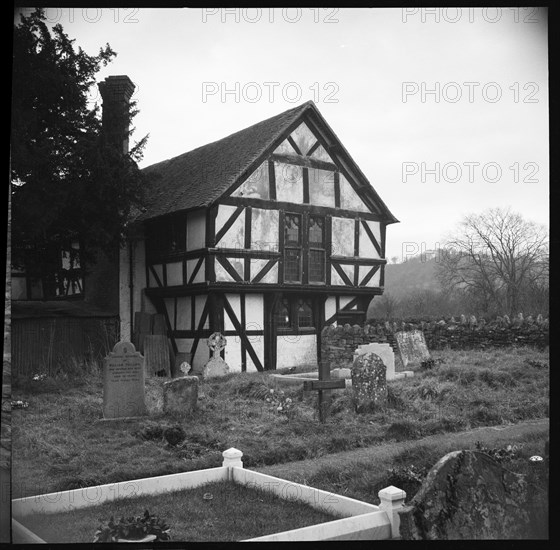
116, 92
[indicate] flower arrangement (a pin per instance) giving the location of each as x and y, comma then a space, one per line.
280, 403
19, 404
132, 528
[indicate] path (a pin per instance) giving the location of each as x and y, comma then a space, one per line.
493, 436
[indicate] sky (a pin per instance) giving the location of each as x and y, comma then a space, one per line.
445, 110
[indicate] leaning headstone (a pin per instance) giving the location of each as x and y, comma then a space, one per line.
385, 351
180, 395
123, 383
412, 347
467, 495
216, 366
156, 353
369, 383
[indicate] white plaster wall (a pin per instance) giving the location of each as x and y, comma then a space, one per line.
296, 350
254, 315
19, 289
184, 313
233, 299
330, 307
374, 281
235, 235
200, 274
139, 282
199, 306
175, 273
196, 230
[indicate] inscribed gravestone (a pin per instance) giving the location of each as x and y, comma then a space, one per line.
412, 347
123, 383
467, 495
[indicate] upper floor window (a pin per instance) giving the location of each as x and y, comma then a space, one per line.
316, 255
292, 248
166, 236
304, 258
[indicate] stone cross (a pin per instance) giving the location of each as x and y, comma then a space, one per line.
323, 387
215, 366
216, 342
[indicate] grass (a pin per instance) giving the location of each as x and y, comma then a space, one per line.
228, 516
58, 443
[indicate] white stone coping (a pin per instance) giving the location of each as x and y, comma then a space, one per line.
361, 520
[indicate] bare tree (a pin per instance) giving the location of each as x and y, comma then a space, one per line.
385, 306
495, 257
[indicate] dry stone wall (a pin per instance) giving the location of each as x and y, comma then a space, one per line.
339, 343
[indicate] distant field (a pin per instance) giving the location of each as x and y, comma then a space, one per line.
58, 443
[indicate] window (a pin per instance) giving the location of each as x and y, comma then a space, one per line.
166, 236
292, 248
66, 278
316, 256
294, 314
312, 248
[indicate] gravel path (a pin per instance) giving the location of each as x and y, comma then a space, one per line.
493, 436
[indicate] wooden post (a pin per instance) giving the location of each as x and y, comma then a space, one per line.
321, 386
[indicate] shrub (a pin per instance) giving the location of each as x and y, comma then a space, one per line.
503, 454
407, 478
174, 435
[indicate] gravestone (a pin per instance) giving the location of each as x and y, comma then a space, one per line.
369, 383
180, 358
216, 366
412, 347
467, 495
180, 395
385, 351
123, 383
156, 353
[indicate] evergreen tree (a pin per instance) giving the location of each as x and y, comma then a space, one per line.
68, 182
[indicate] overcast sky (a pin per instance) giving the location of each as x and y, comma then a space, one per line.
370, 73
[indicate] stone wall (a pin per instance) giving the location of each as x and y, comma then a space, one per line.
339, 343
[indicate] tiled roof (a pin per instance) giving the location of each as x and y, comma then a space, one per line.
202, 175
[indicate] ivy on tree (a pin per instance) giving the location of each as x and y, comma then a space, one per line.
68, 183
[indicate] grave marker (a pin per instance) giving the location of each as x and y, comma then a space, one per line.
323, 387
412, 347
216, 366
123, 383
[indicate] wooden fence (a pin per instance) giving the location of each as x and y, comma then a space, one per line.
49, 344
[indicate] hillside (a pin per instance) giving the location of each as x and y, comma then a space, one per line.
418, 273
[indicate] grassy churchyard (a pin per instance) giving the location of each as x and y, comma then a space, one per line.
59, 442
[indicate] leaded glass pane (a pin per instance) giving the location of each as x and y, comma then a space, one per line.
292, 234
304, 314
317, 266
292, 265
